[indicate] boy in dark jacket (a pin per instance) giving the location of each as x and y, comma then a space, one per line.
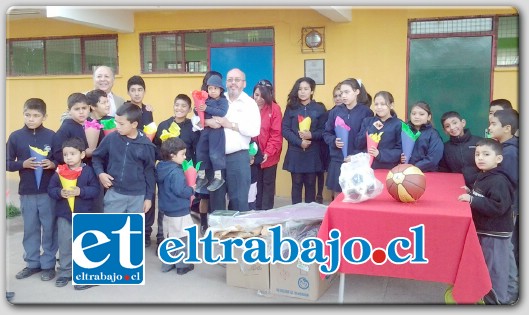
458, 154
79, 112
490, 201
85, 190
37, 208
136, 90
174, 198
181, 108
503, 126
129, 172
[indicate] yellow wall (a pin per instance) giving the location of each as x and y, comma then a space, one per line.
373, 47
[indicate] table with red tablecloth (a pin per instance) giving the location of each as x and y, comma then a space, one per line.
450, 241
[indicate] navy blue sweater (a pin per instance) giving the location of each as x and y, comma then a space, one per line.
173, 193
89, 189
353, 118
492, 197
69, 129
428, 149
187, 135
216, 107
390, 145
130, 162
297, 159
458, 157
17, 151
510, 165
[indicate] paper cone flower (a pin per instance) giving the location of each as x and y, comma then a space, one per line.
408, 140
372, 141
190, 172
172, 132
39, 156
109, 125
199, 98
342, 131
150, 130
68, 180
92, 131
253, 149
304, 123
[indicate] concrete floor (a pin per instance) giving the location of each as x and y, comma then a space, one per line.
205, 285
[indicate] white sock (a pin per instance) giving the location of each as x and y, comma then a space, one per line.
218, 174
202, 174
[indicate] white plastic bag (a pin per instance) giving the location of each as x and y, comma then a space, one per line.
358, 180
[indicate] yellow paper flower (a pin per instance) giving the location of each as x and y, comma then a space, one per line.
172, 132
304, 124
39, 151
376, 136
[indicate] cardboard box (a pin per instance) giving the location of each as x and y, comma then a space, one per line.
299, 280
255, 276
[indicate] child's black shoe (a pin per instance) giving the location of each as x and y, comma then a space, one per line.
201, 182
215, 184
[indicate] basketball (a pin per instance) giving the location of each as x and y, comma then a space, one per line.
406, 183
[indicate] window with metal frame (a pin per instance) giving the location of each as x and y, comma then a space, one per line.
60, 55
187, 52
505, 30
507, 52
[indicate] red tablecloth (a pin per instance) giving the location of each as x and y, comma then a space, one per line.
451, 243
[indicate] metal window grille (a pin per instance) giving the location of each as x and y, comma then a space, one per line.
60, 56
507, 53
242, 36
471, 25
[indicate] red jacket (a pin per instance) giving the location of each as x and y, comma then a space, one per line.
270, 140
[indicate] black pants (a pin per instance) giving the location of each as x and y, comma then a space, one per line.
266, 187
308, 180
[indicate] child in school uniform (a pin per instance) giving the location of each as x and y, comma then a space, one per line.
136, 89
385, 122
491, 201
174, 198
352, 110
503, 127
124, 164
38, 209
99, 108
458, 152
79, 112
181, 108
303, 158
85, 191
428, 148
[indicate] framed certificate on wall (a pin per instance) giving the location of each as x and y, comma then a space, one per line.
315, 69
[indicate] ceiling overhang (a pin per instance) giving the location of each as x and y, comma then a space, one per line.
121, 21
335, 14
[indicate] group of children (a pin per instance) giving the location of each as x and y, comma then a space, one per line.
119, 173
115, 175
482, 161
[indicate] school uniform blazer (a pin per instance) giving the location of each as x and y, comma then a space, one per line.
17, 151
428, 149
297, 159
352, 118
390, 145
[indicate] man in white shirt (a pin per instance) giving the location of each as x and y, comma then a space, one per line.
241, 123
104, 80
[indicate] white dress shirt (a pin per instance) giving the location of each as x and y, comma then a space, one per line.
245, 113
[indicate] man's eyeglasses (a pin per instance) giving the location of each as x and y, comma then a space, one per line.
236, 80
264, 83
